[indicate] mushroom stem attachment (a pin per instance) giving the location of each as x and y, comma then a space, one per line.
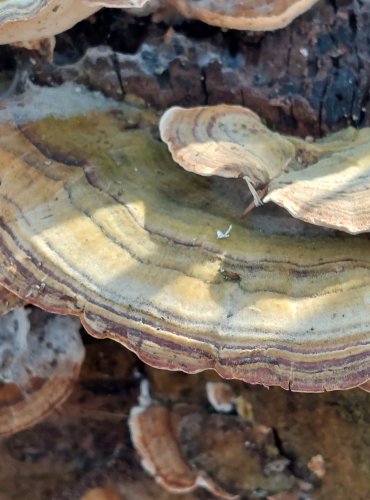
258, 195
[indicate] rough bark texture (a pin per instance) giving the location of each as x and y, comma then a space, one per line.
307, 79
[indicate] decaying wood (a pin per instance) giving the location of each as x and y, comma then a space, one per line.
309, 78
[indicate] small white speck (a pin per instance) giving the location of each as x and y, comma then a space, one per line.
221, 235
304, 52
255, 309
144, 397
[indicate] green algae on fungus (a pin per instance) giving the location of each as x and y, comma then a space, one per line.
326, 183
97, 221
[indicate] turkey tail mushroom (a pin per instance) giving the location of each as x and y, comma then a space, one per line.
97, 222
326, 183
229, 141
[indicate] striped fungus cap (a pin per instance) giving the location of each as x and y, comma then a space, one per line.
97, 221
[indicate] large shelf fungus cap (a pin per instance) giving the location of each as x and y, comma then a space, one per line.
97, 221
256, 15
40, 358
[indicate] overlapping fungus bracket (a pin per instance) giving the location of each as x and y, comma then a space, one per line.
260, 15
97, 221
334, 190
325, 183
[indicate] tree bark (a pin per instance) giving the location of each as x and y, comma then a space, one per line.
307, 79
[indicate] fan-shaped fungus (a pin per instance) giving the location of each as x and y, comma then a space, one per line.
97, 221
153, 433
334, 190
230, 141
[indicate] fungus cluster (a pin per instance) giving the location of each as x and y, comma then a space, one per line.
325, 183
97, 222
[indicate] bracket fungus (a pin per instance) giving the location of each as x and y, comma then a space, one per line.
97, 221
153, 430
40, 359
332, 191
325, 183
260, 15
33, 20
229, 141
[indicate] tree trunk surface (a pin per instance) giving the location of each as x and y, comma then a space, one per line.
308, 79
